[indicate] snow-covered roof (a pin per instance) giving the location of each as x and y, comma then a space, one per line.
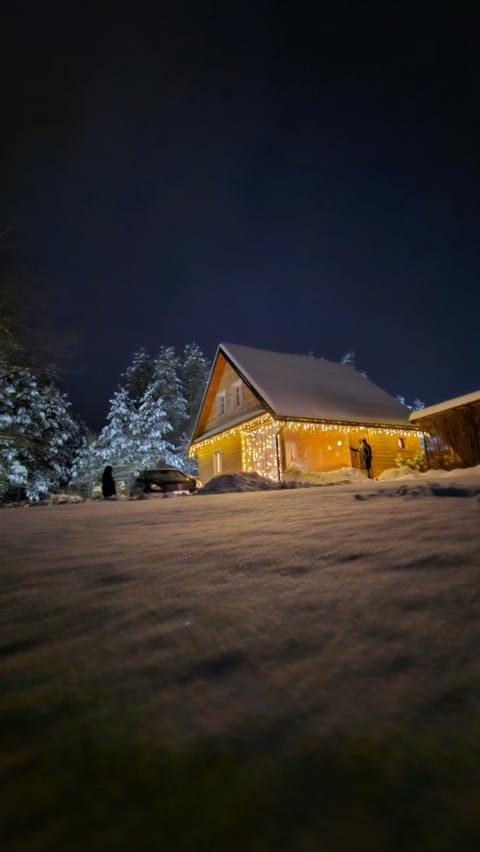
306, 388
456, 402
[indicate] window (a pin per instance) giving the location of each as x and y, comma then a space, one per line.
222, 403
237, 394
217, 462
401, 443
290, 453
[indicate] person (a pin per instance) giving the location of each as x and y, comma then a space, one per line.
365, 451
108, 483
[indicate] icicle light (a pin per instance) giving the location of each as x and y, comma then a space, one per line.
259, 439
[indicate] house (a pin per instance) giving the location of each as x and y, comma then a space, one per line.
452, 431
270, 412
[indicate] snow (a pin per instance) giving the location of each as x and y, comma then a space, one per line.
447, 405
299, 386
278, 620
252, 574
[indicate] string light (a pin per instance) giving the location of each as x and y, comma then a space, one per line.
258, 439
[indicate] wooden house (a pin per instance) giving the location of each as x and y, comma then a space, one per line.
452, 431
270, 412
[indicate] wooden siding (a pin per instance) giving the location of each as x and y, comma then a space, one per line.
225, 377
454, 436
385, 449
231, 448
325, 451
314, 451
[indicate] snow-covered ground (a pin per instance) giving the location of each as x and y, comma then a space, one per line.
305, 615
238, 577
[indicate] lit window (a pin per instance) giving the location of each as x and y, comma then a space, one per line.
222, 403
237, 394
401, 443
217, 462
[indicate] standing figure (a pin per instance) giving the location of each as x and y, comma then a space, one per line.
365, 452
108, 483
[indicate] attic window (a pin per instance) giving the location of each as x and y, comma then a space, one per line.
237, 394
222, 403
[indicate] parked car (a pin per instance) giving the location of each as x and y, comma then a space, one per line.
164, 479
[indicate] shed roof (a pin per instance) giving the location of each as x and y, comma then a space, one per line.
456, 402
306, 388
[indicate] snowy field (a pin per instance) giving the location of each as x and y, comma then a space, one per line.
286, 670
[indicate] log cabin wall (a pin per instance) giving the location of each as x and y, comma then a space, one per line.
230, 449
312, 450
386, 448
315, 450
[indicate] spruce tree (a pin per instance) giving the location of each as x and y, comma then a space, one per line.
38, 435
169, 388
138, 376
195, 369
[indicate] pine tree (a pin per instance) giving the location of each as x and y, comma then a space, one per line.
349, 358
38, 435
195, 370
169, 388
151, 427
138, 376
416, 405
150, 415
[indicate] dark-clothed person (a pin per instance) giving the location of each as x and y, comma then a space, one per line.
108, 483
365, 452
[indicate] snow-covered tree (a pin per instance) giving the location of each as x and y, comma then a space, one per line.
349, 358
150, 414
138, 376
38, 435
169, 387
136, 436
416, 405
194, 372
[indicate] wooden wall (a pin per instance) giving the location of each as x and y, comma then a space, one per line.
231, 449
454, 436
324, 451
225, 378
314, 450
385, 449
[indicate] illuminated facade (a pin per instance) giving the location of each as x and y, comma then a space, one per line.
243, 424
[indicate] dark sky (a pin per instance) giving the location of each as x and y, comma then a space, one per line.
283, 175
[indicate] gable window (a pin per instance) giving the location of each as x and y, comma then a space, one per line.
237, 394
222, 403
217, 462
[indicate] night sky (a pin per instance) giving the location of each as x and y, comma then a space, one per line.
288, 176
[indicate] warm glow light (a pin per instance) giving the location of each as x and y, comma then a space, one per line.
259, 439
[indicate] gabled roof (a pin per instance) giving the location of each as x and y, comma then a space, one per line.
456, 402
305, 388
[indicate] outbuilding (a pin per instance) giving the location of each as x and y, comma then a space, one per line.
452, 431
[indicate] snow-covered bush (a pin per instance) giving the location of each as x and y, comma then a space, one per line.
417, 462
